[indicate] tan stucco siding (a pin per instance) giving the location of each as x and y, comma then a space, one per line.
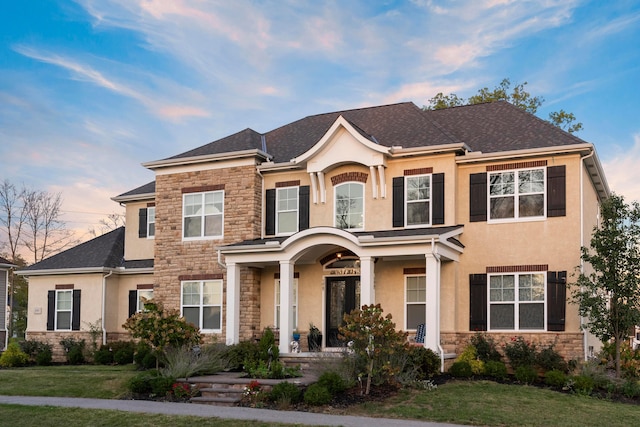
136, 247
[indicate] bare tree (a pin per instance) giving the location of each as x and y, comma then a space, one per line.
12, 217
113, 221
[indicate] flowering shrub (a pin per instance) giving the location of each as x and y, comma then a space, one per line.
520, 352
253, 391
181, 390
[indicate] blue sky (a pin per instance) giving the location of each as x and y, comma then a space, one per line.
89, 89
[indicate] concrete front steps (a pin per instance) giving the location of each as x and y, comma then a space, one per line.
227, 388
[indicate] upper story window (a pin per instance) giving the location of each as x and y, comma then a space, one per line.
349, 206
203, 215
517, 194
418, 200
287, 210
517, 301
151, 222
64, 309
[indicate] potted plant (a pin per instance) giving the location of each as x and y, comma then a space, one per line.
314, 338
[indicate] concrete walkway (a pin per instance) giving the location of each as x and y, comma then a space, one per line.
172, 408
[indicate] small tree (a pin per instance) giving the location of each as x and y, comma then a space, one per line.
162, 328
375, 341
610, 295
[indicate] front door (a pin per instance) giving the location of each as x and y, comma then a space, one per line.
343, 295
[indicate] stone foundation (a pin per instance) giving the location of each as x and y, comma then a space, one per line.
54, 338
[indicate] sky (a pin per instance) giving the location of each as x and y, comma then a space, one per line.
90, 89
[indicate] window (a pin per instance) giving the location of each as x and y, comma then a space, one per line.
151, 222
203, 215
294, 303
287, 210
64, 308
416, 301
418, 199
517, 301
143, 296
349, 206
202, 303
517, 194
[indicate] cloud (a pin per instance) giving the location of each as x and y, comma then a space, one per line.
623, 173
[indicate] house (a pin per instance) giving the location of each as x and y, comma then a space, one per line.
5, 266
462, 220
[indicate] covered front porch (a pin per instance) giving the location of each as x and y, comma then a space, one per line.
321, 273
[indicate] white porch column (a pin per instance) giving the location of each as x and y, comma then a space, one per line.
432, 316
286, 297
233, 303
367, 275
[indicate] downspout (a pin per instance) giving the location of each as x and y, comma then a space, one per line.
585, 344
437, 257
220, 263
104, 306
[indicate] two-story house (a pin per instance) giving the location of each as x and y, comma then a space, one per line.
465, 219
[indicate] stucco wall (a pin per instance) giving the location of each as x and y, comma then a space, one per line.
136, 247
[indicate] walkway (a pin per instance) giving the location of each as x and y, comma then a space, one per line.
172, 408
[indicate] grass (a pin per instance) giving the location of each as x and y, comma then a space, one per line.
460, 402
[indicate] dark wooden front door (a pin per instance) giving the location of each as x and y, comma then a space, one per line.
343, 295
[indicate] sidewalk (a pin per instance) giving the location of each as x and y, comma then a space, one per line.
172, 408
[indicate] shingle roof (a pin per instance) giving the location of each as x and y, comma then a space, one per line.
247, 139
148, 188
106, 251
5, 262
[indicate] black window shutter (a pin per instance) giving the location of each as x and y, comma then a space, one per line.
478, 302
438, 198
478, 197
142, 222
75, 321
303, 207
51, 310
556, 300
398, 201
133, 302
556, 191
270, 219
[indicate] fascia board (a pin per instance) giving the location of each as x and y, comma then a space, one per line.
232, 155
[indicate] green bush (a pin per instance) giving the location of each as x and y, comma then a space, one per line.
103, 356
44, 356
188, 361
469, 355
582, 384
123, 356
333, 382
161, 386
39, 352
13, 356
485, 347
75, 356
151, 383
317, 395
549, 359
630, 388
285, 392
423, 361
144, 357
461, 369
239, 354
520, 352
526, 374
495, 369
555, 378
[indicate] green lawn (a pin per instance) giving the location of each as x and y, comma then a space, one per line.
460, 402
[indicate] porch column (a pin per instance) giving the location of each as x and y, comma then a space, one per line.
432, 315
367, 275
286, 297
233, 303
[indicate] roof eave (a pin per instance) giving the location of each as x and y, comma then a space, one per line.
231, 155
397, 151
61, 271
134, 197
478, 156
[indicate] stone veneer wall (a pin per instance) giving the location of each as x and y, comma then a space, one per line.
242, 221
54, 338
568, 344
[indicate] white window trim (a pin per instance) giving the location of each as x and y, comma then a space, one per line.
516, 303
406, 200
276, 303
149, 222
59, 291
407, 303
278, 211
335, 205
138, 299
202, 223
200, 305
516, 217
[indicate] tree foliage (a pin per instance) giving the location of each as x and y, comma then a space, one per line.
517, 96
609, 296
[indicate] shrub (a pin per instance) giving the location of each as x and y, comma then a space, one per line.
582, 384
187, 361
555, 378
333, 381
495, 369
520, 352
150, 382
238, 355
144, 357
39, 352
103, 356
45, 356
486, 348
74, 350
461, 369
549, 359
285, 392
470, 356
13, 356
423, 361
630, 388
123, 352
317, 395
526, 374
